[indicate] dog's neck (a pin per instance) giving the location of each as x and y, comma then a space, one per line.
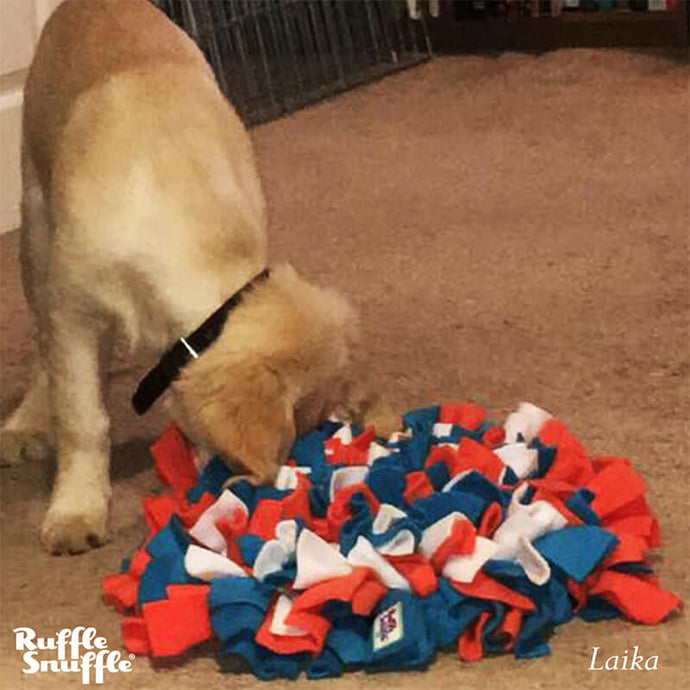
187, 348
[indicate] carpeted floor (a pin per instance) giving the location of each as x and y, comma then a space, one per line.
512, 228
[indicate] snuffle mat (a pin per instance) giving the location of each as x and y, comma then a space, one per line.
375, 554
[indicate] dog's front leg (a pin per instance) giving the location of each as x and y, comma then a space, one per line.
77, 516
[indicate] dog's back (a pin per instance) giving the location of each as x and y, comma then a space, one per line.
78, 49
145, 169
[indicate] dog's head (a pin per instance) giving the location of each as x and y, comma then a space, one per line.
282, 364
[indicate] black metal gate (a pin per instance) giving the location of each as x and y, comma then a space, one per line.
272, 57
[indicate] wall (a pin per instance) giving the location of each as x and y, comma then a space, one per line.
20, 26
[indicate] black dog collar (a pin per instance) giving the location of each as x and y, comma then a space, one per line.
154, 384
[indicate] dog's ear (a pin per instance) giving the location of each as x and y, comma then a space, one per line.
242, 411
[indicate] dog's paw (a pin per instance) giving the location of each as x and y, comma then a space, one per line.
76, 527
17, 446
253, 479
383, 418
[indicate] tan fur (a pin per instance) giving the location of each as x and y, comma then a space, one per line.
142, 212
284, 358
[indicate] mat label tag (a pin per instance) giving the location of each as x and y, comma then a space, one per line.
388, 626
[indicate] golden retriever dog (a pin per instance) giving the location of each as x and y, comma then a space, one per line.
142, 213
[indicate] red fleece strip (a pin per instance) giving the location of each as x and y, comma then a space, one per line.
367, 596
315, 625
191, 512
545, 495
556, 434
325, 529
460, 542
361, 587
445, 454
570, 467
578, 591
174, 457
557, 488
469, 455
351, 454
485, 587
120, 591
643, 526
494, 437
638, 599
510, 627
231, 528
491, 520
135, 636
267, 514
630, 549
139, 562
417, 486
179, 622
340, 511
614, 487
339, 453
297, 504
467, 415
475, 456
158, 510
417, 571
470, 646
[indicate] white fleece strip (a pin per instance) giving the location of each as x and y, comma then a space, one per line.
521, 459
465, 568
205, 530
346, 476
287, 478
207, 565
434, 535
280, 613
526, 523
364, 554
317, 561
527, 421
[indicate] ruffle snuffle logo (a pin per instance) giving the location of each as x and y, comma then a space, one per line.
74, 650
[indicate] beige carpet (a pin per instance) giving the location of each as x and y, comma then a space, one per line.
512, 228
